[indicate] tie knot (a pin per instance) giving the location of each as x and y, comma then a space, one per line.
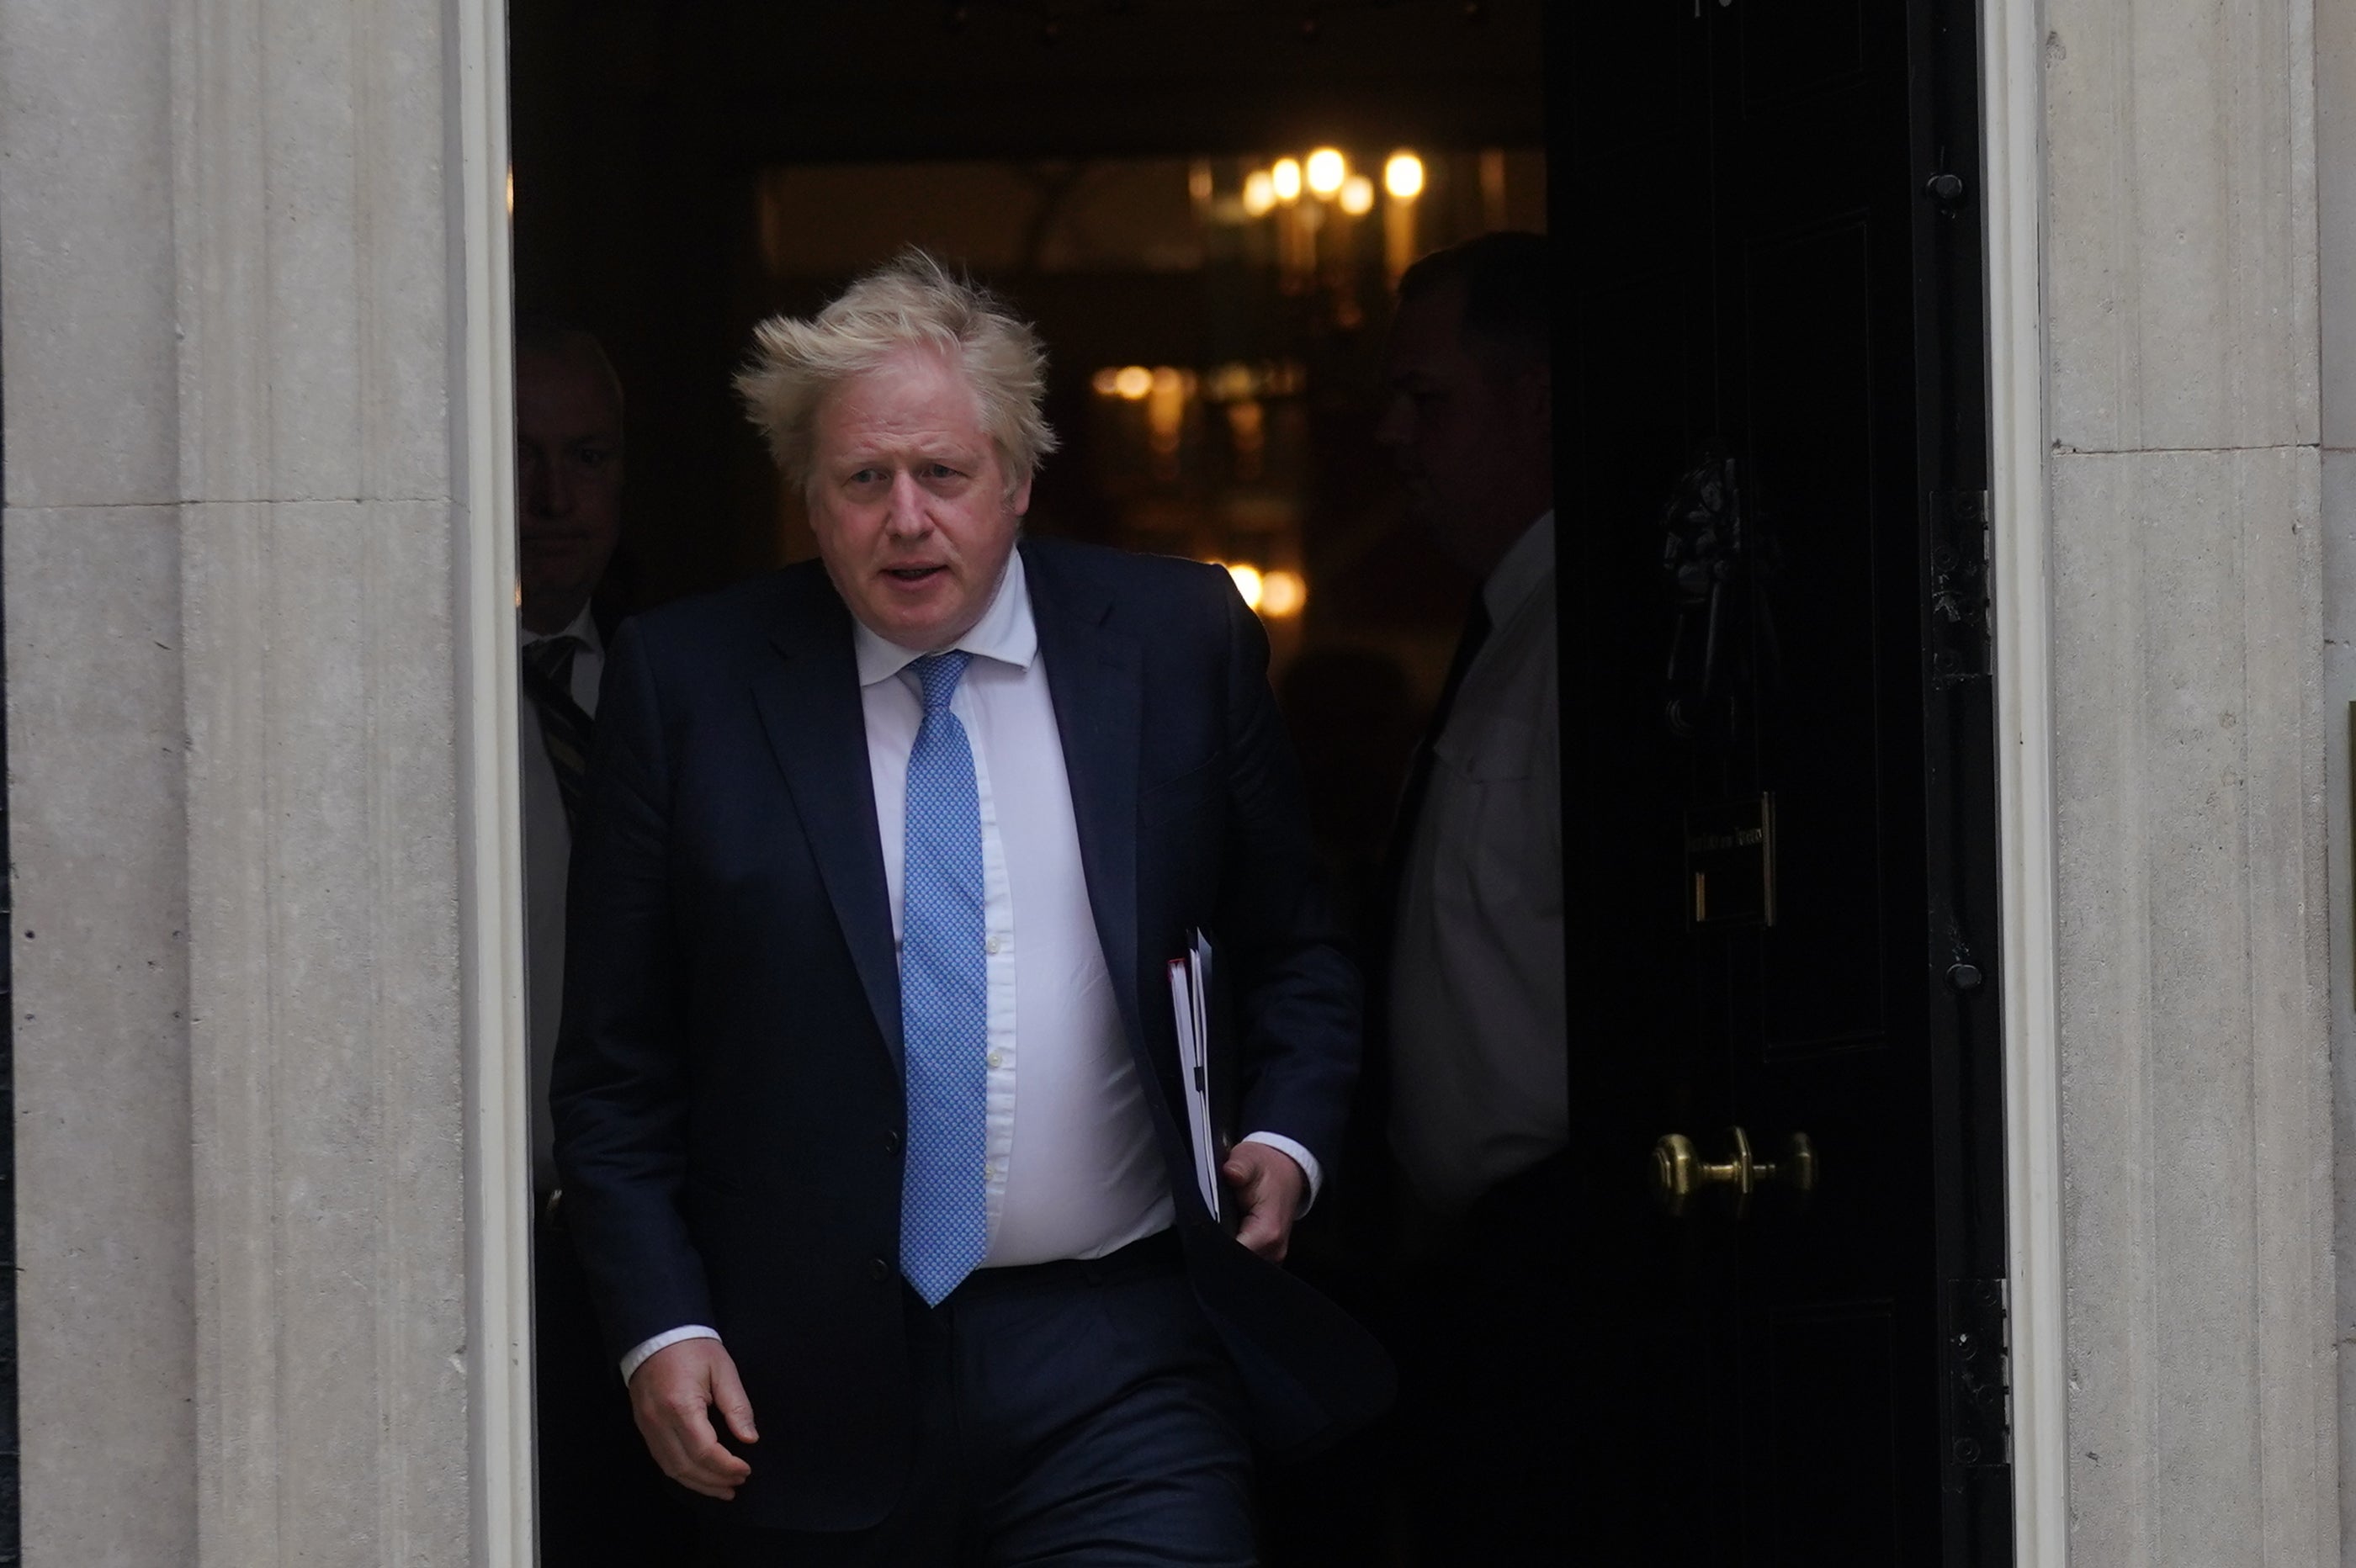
940, 673
552, 657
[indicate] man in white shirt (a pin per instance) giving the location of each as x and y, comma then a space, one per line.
600, 1500
569, 506
1476, 1021
868, 1105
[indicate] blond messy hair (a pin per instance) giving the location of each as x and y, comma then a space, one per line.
910, 302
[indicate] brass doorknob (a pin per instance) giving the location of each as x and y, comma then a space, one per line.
1679, 1173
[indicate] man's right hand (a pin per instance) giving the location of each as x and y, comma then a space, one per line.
671, 1394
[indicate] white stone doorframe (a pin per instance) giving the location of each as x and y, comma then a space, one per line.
499, 1152
498, 1217
2012, 165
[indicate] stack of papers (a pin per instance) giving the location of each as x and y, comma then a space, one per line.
1190, 997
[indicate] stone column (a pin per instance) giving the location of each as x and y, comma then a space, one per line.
2335, 117
97, 759
2189, 776
231, 276
312, 229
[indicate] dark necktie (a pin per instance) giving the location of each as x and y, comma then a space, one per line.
1372, 1111
564, 726
1419, 777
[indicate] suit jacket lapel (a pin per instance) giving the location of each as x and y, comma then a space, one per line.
1096, 677
809, 705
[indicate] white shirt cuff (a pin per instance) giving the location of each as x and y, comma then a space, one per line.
663, 1341
1301, 1157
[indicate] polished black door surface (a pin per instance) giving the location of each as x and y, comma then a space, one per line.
1779, 782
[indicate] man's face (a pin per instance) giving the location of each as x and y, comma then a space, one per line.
1473, 446
910, 504
568, 471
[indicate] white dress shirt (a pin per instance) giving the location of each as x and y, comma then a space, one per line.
1073, 1168
1478, 1012
547, 855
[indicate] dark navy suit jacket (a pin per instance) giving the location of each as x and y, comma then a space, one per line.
727, 1086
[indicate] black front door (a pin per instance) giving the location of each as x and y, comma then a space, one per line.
1780, 784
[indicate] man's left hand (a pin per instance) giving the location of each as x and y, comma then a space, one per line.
1271, 1187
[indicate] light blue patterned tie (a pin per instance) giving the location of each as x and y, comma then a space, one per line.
944, 999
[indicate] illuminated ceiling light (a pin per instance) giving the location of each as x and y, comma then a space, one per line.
1281, 593
1403, 175
1168, 381
1357, 195
1286, 179
1106, 382
1249, 582
1132, 381
1325, 172
1259, 193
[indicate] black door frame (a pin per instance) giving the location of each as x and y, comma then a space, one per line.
1961, 785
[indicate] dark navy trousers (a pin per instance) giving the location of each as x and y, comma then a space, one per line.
1075, 1414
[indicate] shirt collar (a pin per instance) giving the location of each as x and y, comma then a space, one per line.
1005, 632
1527, 565
583, 626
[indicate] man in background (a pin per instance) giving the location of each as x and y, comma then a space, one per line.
569, 505
600, 1500
1475, 1012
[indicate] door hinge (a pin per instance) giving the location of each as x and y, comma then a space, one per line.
1962, 548
1980, 1374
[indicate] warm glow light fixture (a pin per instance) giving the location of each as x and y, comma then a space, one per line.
1357, 195
1276, 595
1132, 381
1403, 175
1325, 172
1259, 193
1281, 593
1286, 179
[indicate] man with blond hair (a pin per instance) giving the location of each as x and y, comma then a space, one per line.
870, 1117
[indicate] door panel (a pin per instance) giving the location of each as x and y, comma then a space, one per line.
1758, 320
1808, 300
1837, 1503
1807, 47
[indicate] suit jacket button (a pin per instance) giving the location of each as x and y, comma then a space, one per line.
892, 1142
878, 1270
